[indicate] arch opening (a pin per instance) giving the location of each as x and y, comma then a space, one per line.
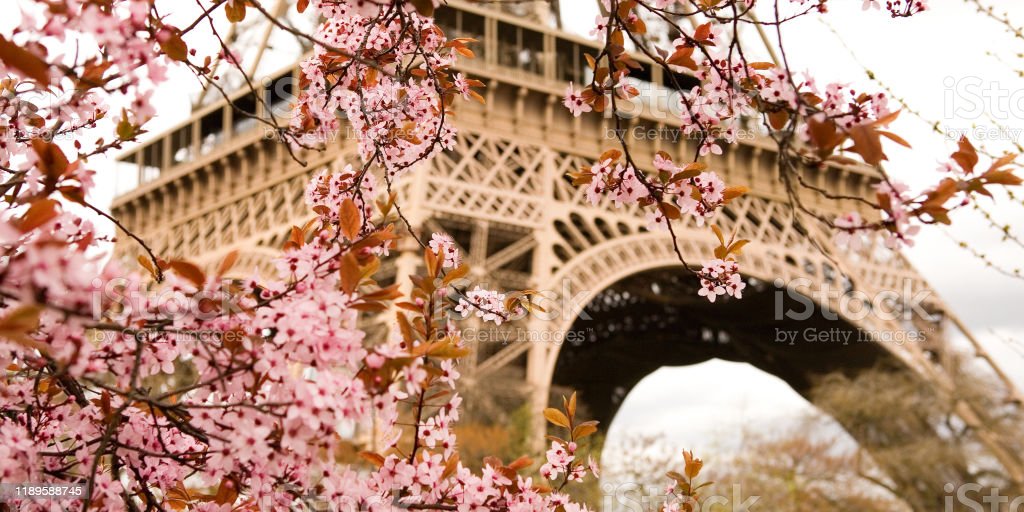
654, 319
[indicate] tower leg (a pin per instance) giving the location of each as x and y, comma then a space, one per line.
539, 385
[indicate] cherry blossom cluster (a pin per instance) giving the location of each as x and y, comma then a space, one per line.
902, 213
845, 106
488, 305
72, 65
398, 112
619, 181
575, 102
285, 368
326, 192
901, 231
898, 219
898, 8
720, 277
444, 244
697, 192
176, 387
560, 459
714, 110
813, 124
675, 191
849, 230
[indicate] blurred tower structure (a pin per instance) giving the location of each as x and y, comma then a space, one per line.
215, 183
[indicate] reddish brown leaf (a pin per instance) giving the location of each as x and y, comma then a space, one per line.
350, 220
147, 264
1001, 178
41, 211
52, 161
235, 10
174, 46
867, 144
227, 492
895, 138
189, 271
778, 119
824, 136
228, 262
731, 193
373, 458
19, 323
683, 57
28, 63
702, 33
584, 429
349, 272
556, 417
966, 157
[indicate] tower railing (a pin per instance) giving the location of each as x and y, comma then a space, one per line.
508, 48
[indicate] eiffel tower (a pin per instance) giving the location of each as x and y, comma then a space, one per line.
215, 183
